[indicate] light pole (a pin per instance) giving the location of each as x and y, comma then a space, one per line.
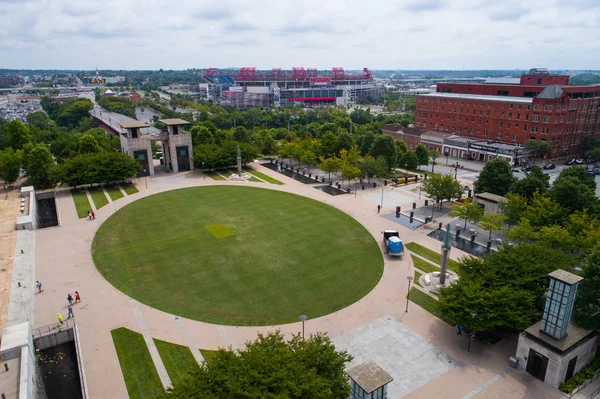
456, 171
382, 197
146, 179
420, 191
203, 171
471, 334
409, 278
303, 317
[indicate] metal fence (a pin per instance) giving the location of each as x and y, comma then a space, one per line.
53, 328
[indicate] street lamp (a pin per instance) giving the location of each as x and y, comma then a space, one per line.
409, 278
303, 317
471, 334
146, 178
203, 171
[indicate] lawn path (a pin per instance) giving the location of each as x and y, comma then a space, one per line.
110, 201
91, 200
189, 341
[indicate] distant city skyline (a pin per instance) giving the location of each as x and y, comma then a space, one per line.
407, 34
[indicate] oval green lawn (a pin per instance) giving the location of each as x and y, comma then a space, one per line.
237, 255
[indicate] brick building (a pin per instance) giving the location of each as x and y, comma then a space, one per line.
542, 107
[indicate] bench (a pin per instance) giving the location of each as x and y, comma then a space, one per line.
427, 279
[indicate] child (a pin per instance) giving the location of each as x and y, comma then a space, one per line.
77, 297
93, 215
89, 215
39, 287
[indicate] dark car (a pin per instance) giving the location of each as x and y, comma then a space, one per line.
526, 168
549, 166
589, 172
570, 162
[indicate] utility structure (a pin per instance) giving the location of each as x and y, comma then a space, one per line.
239, 161
177, 145
445, 254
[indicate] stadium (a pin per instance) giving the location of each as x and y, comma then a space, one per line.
248, 87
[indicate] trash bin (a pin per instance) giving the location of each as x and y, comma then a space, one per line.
513, 362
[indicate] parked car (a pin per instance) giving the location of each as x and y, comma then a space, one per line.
570, 162
589, 172
579, 161
526, 168
549, 166
597, 170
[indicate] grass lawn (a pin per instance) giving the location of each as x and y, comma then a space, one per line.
138, 369
266, 178
130, 189
427, 303
255, 180
417, 277
214, 176
114, 192
431, 255
81, 203
98, 197
423, 265
288, 255
178, 359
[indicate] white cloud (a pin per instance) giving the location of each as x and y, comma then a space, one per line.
406, 34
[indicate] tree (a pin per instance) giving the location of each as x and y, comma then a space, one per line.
587, 302
88, 144
408, 160
383, 146
327, 143
344, 142
513, 208
18, 134
371, 167
573, 195
467, 211
350, 172
330, 165
495, 177
543, 211
535, 181
38, 164
444, 187
422, 155
201, 135
269, 367
578, 173
491, 222
538, 148
10, 165
433, 154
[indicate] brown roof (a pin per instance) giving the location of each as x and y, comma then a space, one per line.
369, 376
575, 335
174, 121
411, 131
491, 197
393, 127
565, 276
132, 124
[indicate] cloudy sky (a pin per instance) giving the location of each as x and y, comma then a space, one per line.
379, 34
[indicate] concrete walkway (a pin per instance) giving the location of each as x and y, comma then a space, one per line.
65, 264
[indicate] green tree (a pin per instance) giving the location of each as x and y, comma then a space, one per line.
366, 141
38, 164
587, 302
434, 155
201, 135
408, 160
371, 167
422, 155
538, 148
383, 146
543, 211
88, 144
330, 165
491, 222
535, 181
441, 188
495, 177
18, 134
10, 165
269, 367
513, 208
573, 195
468, 211
577, 173
344, 142
327, 144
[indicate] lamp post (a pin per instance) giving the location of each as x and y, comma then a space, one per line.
303, 317
420, 190
203, 171
146, 179
382, 197
409, 278
471, 334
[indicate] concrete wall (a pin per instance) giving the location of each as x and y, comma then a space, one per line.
177, 140
557, 364
50, 340
28, 220
128, 146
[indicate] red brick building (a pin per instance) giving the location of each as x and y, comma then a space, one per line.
542, 107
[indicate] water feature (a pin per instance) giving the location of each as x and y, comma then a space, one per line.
404, 220
291, 174
461, 243
46, 213
331, 190
57, 369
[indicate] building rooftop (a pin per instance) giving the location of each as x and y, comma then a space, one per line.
503, 81
174, 121
491, 197
575, 335
565, 276
369, 376
524, 100
393, 127
132, 124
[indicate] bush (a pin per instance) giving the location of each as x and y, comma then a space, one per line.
582, 376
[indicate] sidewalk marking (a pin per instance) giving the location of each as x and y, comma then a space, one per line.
89, 197
487, 383
189, 341
226, 336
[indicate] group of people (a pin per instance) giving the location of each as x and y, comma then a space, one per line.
91, 215
71, 301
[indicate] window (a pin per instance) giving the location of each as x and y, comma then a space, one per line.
546, 119
499, 135
508, 125
514, 137
520, 105
518, 116
501, 125
536, 118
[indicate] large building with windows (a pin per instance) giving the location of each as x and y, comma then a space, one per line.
249, 87
541, 107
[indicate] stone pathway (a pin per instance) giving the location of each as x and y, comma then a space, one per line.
64, 263
9, 210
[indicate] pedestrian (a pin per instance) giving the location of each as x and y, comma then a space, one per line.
70, 312
39, 287
77, 297
70, 299
89, 215
93, 216
60, 318
378, 208
459, 329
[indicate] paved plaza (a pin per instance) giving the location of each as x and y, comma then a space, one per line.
428, 348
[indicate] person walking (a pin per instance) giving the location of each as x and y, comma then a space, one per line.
71, 314
77, 297
378, 208
59, 317
93, 215
89, 215
70, 299
459, 330
39, 287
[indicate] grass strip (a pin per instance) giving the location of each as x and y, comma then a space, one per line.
423, 265
417, 277
428, 303
207, 354
130, 189
431, 255
114, 192
98, 197
255, 179
261, 175
82, 204
214, 175
178, 359
141, 377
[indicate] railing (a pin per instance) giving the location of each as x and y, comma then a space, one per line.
53, 328
594, 394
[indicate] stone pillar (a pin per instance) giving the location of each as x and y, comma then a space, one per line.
445, 256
